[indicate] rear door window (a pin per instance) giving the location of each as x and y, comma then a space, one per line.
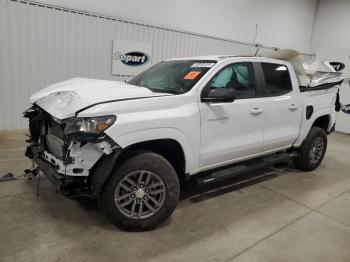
277, 79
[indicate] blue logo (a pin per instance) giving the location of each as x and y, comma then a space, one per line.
345, 109
134, 58
338, 66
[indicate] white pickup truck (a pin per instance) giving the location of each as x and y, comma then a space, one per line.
210, 118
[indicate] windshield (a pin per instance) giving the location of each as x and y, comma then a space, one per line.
175, 77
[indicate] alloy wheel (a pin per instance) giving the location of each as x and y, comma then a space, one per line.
140, 194
316, 150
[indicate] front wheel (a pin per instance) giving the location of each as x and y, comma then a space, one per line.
141, 193
312, 150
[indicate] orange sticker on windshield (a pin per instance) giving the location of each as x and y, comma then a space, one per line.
191, 75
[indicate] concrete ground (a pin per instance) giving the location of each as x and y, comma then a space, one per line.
276, 214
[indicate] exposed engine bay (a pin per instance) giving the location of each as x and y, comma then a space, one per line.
67, 156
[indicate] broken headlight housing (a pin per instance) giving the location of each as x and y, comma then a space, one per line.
90, 125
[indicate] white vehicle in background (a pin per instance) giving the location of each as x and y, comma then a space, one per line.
210, 118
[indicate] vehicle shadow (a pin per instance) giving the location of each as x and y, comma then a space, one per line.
191, 191
194, 193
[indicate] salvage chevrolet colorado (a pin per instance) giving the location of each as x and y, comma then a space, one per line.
207, 118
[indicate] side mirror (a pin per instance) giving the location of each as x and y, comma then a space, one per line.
220, 95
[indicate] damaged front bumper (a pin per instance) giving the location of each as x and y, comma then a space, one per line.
81, 158
70, 162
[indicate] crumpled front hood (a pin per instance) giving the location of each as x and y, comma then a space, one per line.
64, 99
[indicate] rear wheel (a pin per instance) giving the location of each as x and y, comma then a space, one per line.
312, 150
141, 193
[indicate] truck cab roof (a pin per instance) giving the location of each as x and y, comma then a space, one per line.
312, 75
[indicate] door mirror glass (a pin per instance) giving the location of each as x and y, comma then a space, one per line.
221, 95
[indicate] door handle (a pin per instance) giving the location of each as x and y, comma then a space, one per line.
256, 111
293, 107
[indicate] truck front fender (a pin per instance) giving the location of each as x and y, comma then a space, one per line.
190, 149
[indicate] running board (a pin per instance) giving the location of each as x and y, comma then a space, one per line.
245, 167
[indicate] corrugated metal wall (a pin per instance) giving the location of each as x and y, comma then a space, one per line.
41, 45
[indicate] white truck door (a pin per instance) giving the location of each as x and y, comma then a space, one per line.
232, 131
283, 106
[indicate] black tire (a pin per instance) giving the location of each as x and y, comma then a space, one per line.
158, 168
304, 161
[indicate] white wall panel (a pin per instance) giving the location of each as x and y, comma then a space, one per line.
41, 45
283, 23
332, 25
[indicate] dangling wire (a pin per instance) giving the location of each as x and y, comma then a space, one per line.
38, 185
